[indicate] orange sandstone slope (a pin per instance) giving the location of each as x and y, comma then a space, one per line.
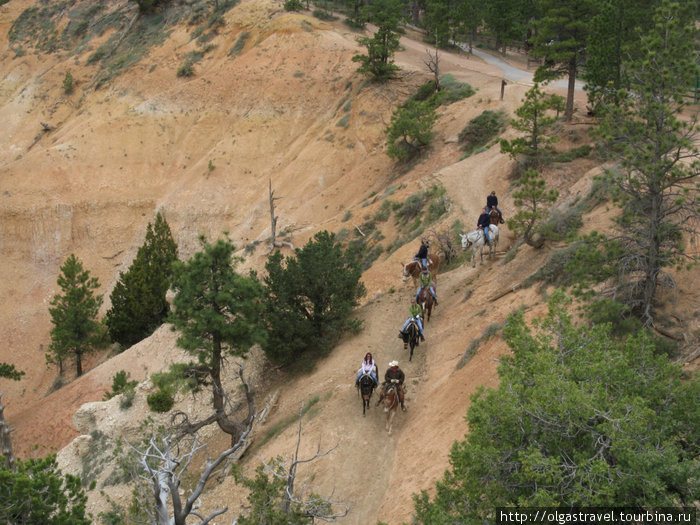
146, 143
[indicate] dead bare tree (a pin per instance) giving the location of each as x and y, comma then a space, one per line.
160, 467
5, 441
303, 499
274, 243
433, 65
446, 249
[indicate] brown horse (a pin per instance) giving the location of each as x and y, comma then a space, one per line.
425, 300
390, 398
414, 268
495, 217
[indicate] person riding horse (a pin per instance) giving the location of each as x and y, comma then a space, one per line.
368, 367
415, 311
422, 254
492, 202
425, 279
483, 224
394, 375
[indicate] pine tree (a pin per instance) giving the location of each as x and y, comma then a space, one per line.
217, 312
532, 200
379, 61
410, 131
37, 492
74, 315
309, 298
656, 183
138, 299
562, 35
535, 120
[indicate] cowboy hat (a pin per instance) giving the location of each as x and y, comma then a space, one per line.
393, 364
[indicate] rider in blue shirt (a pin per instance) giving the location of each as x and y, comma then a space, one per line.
483, 223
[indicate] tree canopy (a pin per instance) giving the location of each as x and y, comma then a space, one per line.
579, 419
38, 493
138, 299
379, 62
309, 298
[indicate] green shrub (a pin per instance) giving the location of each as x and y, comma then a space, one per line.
572, 154
186, 70
293, 5
147, 6
481, 130
68, 83
120, 383
324, 15
161, 401
127, 399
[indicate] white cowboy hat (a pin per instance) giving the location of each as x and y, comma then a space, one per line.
394, 363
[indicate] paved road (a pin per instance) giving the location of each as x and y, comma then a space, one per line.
514, 74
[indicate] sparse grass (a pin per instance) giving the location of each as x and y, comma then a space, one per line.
280, 426
490, 331
94, 461
239, 45
552, 272
36, 27
343, 122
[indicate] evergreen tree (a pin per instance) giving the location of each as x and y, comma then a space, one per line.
309, 298
613, 39
37, 493
579, 419
410, 131
217, 312
533, 201
379, 60
656, 185
507, 20
138, 299
561, 38
76, 330
535, 119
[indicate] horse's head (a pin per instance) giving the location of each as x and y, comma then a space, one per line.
406, 271
465, 241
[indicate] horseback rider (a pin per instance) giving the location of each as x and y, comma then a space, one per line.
368, 367
483, 224
415, 311
426, 280
492, 202
422, 254
394, 375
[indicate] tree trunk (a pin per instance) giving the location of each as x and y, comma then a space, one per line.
569, 112
79, 362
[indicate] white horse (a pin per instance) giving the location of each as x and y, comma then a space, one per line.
476, 238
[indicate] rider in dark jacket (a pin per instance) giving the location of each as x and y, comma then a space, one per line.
483, 224
492, 202
422, 254
395, 373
